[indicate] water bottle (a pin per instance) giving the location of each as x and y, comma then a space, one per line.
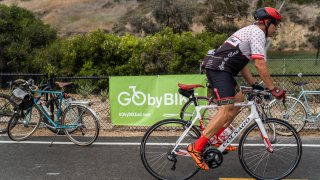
226, 133
223, 136
46, 110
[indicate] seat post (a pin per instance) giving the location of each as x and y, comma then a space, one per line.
194, 99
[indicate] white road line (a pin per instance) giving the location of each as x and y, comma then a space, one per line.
251, 179
53, 174
129, 143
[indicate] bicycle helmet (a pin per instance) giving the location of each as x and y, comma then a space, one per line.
267, 13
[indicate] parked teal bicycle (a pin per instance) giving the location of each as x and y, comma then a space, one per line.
298, 111
79, 122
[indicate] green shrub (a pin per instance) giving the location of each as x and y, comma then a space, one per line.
20, 35
104, 54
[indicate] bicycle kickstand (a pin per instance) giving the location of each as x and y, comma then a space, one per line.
54, 137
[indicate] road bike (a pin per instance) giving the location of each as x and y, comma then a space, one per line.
297, 110
163, 147
79, 122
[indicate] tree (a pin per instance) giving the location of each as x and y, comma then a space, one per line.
174, 14
219, 15
314, 39
20, 34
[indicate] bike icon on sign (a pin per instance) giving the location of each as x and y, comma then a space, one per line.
138, 98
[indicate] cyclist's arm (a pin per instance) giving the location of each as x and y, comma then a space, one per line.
264, 74
246, 74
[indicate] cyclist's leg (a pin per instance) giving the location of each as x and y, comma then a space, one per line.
234, 110
229, 112
224, 85
226, 91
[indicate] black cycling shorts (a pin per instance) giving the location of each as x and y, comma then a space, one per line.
223, 82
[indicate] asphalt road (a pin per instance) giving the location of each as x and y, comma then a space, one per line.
113, 159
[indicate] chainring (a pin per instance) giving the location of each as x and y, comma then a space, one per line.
213, 157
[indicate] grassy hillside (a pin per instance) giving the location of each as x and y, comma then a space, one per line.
77, 16
70, 17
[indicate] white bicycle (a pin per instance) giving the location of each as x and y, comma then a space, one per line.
163, 147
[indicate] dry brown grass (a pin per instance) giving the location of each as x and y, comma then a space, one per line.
72, 16
81, 16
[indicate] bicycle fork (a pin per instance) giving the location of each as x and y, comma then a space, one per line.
264, 135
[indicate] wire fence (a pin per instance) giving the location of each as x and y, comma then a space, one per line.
95, 90
292, 66
285, 81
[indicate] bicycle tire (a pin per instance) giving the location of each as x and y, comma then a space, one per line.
157, 144
7, 107
22, 126
284, 147
83, 122
294, 113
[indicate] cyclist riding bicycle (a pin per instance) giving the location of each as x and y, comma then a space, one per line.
232, 57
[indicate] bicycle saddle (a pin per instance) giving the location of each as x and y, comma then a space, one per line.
19, 81
189, 87
63, 84
300, 83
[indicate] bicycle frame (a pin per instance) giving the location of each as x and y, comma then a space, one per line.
60, 94
254, 115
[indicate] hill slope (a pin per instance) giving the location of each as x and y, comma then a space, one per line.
81, 16
76, 16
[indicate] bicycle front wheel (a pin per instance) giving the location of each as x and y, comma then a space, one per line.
294, 113
7, 107
24, 123
157, 153
81, 124
262, 164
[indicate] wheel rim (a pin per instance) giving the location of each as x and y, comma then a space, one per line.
294, 113
83, 126
257, 161
156, 149
6, 112
22, 127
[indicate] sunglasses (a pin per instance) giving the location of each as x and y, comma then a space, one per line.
275, 22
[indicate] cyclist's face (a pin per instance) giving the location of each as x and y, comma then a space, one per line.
271, 30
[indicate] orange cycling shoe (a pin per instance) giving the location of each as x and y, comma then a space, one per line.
197, 157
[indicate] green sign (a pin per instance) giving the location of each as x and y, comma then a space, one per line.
145, 100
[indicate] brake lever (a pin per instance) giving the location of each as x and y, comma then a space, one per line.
284, 101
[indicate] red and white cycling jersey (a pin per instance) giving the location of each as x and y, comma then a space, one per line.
234, 54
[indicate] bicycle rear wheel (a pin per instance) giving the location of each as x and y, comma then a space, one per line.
82, 125
7, 107
294, 113
24, 123
286, 155
156, 150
